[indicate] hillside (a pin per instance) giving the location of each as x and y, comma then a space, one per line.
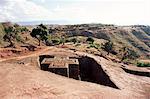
134, 38
2, 32
20, 36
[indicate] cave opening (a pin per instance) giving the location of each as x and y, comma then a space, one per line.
88, 70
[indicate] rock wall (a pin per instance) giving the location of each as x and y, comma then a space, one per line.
91, 71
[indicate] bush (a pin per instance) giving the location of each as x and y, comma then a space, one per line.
142, 64
96, 46
67, 40
92, 46
90, 40
129, 54
133, 54
62, 40
108, 46
18, 38
56, 41
74, 40
78, 44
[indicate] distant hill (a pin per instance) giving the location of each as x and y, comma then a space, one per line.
43, 22
135, 37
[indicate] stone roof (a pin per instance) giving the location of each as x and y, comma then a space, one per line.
59, 62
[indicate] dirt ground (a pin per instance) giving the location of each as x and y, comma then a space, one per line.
21, 78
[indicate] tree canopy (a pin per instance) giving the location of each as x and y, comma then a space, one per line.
90, 39
40, 33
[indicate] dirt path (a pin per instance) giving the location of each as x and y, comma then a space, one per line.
26, 55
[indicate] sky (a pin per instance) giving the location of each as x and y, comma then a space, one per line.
119, 12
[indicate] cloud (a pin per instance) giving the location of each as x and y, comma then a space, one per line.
100, 11
20, 10
43, 1
78, 11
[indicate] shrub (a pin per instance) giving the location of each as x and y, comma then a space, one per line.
96, 46
142, 64
78, 44
18, 38
129, 54
56, 41
90, 40
10, 35
92, 46
108, 46
62, 40
67, 40
74, 40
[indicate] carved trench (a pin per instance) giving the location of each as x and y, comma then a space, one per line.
89, 70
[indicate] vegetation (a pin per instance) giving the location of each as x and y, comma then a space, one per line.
129, 54
56, 41
2, 33
94, 45
74, 40
78, 44
24, 29
18, 38
94, 35
142, 64
90, 40
10, 35
40, 33
62, 40
108, 46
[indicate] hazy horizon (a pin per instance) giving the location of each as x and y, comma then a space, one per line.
118, 12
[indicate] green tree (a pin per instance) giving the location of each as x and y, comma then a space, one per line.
24, 29
40, 33
90, 40
10, 35
108, 46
